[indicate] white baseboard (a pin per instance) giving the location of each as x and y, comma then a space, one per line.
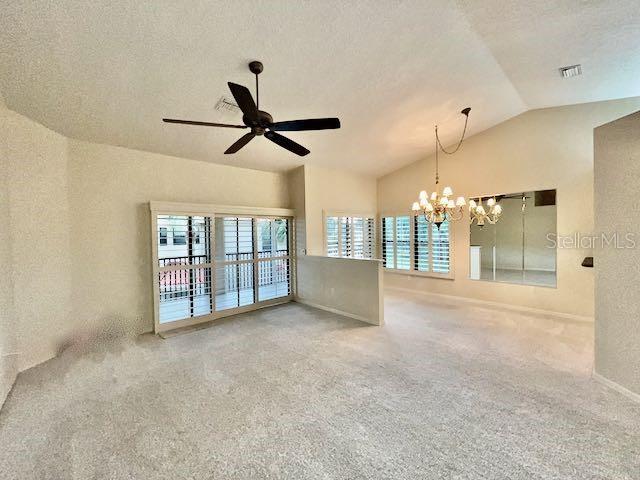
616, 386
487, 303
334, 310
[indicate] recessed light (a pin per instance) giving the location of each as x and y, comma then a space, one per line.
571, 71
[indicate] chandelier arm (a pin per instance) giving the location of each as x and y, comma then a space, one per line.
458, 215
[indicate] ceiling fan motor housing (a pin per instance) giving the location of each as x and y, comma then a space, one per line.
259, 125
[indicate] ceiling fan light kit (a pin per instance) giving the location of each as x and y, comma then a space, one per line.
261, 122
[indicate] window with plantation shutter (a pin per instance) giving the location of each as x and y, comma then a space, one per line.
421, 244
403, 243
332, 232
410, 243
350, 236
358, 237
388, 242
440, 247
184, 267
346, 237
369, 238
210, 266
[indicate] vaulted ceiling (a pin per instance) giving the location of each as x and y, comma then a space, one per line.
108, 72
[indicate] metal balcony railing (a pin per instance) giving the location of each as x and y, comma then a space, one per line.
228, 277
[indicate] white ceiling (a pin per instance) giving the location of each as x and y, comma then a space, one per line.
109, 71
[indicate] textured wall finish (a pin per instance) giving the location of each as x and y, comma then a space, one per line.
296, 185
75, 245
8, 329
35, 163
617, 182
349, 286
334, 191
109, 191
548, 148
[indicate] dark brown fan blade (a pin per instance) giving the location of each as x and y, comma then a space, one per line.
245, 100
240, 143
310, 124
204, 124
284, 142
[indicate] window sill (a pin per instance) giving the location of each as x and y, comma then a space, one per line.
415, 273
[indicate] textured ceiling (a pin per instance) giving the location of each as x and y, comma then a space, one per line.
109, 71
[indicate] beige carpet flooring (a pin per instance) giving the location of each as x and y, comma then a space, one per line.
442, 391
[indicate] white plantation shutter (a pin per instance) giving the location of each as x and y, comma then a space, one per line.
346, 237
207, 266
369, 237
388, 242
234, 262
421, 244
350, 236
332, 232
412, 243
274, 268
440, 247
358, 237
184, 266
403, 243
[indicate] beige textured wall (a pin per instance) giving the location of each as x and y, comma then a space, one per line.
334, 190
295, 182
8, 327
617, 182
344, 285
35, 254
75, 237
540, 149
109, 191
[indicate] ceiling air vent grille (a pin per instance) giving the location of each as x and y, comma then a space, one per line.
227, 105
571, 71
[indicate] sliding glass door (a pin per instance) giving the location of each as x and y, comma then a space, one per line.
234, 262
213, 266
184, 262
274, 263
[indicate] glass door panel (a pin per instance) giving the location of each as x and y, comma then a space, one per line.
274, 279
183, 244
234, 285
214, 264
234, 262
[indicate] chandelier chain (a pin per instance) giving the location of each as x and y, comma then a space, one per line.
444, 150
464, 131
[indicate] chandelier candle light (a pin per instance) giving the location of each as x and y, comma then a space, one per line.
480, 214
438, 208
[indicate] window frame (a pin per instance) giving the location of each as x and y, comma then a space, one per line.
412, 271
212, 211
352, 214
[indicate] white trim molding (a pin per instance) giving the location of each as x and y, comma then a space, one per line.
195, 208
334, 310
615, 386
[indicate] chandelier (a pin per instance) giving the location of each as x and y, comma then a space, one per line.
478, 213
440, 207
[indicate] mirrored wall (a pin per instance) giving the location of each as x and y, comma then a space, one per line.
517, 248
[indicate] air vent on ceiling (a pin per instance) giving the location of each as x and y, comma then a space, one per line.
571, 71
226, 105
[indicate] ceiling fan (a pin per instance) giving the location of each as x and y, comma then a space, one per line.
260, 122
